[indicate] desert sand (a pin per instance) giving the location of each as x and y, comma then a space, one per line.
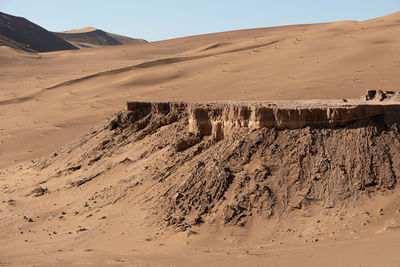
90, 37
22, 34
87, 179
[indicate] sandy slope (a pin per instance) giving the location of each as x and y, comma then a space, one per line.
22, 34
81, 30
48, 99
335, 60
90, 37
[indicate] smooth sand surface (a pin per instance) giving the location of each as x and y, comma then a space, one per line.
49, 99
81, 30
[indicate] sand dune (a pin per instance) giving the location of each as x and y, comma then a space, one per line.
90, 37
332, 60
126, 40
81, 30
136, 182
22, 34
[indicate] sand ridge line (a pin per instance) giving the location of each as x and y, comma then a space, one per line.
144, 65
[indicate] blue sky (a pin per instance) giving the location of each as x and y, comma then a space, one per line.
164, 19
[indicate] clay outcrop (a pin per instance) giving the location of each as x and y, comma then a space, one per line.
218, 119
191, 163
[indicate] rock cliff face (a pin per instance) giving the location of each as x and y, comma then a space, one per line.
218, 119
184, 164
231, 161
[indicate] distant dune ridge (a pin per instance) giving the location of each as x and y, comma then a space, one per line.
20, 33
91, 37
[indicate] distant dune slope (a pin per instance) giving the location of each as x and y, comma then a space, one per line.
126, 40
92, 37
22, 34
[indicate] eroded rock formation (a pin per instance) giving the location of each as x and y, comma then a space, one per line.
218, 119
190, 163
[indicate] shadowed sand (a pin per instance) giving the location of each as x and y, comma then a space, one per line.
22, 34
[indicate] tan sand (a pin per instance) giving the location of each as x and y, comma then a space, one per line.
90, 37
81, 30
50, 99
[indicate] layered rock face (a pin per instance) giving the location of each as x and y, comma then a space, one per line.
236, 160
186, 164
218, 119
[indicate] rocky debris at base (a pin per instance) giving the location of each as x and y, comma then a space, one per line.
39, 191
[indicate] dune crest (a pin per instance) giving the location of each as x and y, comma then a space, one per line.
20, 33
90, 37
81, 30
